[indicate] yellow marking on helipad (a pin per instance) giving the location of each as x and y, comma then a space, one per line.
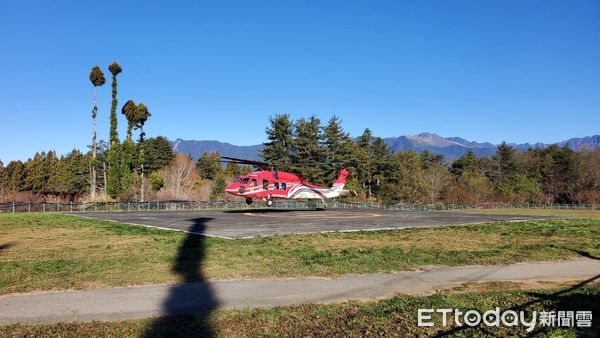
313, 215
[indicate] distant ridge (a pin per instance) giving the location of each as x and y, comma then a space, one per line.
196, 148
450, 147
453, 147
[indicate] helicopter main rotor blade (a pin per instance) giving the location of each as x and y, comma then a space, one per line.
243, 161
226, 159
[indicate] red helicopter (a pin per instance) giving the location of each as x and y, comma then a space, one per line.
273, 184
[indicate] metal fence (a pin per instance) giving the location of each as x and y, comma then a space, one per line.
433, 207
14, 207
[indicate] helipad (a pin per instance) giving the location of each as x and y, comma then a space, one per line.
269, 222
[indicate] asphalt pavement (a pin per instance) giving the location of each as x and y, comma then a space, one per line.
269, 222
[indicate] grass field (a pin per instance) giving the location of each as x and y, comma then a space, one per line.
392, 317
535, 212
52, 251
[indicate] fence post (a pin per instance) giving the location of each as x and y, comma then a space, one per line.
28, 206
13, 205
44, 207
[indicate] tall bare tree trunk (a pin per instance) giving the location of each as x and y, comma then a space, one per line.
142, 185
143, 158
104, 173
93, 183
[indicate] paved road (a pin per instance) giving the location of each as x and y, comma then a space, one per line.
269, 222
146, 301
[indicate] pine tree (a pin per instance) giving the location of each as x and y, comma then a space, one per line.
2, 178
57, 183
232, 170
374, 162
278, 149
337, 143
465, 163
245, 169
307, 149
336, 150
406, 182
429, 159
217, 191
380, 155
558, 172
13, 177
365, 165
75, 163
208, 165
97, 79
113, 179
36, 179
505, 162
128, 153
158, 153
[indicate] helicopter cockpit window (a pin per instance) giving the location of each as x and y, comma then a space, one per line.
254, 183
265, 184
244, 180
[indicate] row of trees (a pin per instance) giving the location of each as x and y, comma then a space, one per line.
551, 175
68, 176
45, 172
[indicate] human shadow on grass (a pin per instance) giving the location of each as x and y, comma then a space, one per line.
581, 253
585, 254
568, 299
5, 246
187, 307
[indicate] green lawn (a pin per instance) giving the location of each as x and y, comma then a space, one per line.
53, 251
577, 213
396, 316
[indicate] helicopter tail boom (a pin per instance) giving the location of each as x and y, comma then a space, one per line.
341, 180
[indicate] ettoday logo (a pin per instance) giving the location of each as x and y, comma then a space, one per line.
497, 317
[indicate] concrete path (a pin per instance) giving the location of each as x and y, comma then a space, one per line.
146, 301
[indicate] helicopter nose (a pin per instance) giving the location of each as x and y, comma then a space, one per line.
232, 189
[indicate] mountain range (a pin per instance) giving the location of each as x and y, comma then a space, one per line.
450, 147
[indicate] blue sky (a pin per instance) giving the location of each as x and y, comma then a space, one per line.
521, 71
